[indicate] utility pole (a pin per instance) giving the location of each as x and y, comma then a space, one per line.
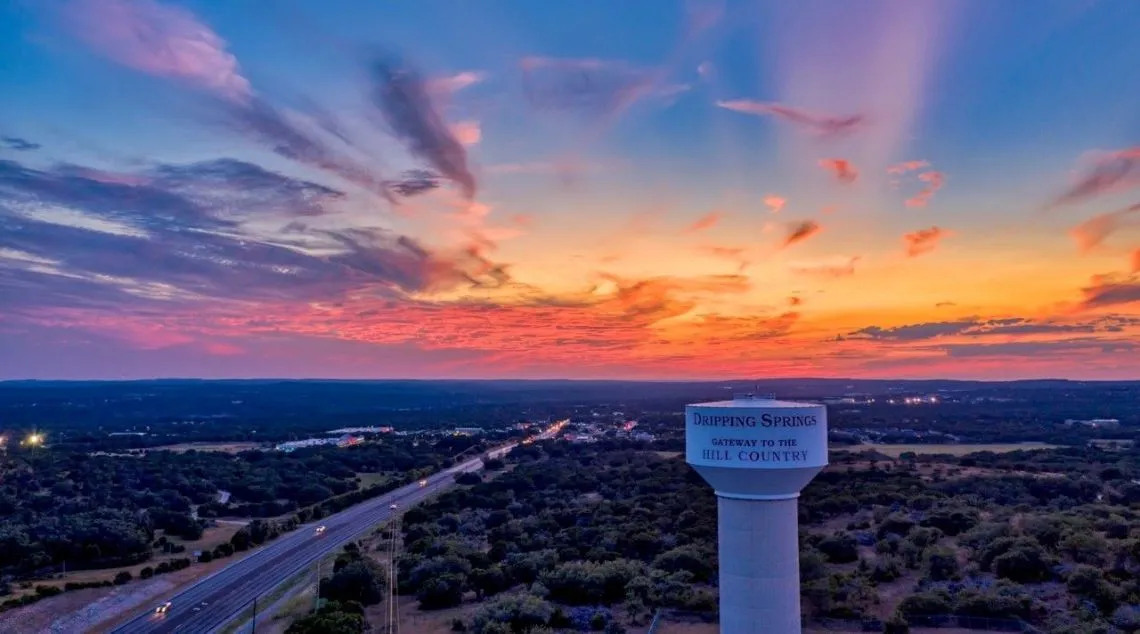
317, 598
253, 621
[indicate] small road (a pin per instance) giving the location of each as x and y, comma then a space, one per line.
215, 600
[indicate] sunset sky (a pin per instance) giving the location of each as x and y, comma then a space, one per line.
644, 189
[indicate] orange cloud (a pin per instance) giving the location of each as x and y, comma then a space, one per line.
842, 169
923, 240
1136, 261
707, 221
831, 268
934, 182
800, 231
824, 125
734, 254
1092, 232
794, 301
467, 132
775, 203
907, 166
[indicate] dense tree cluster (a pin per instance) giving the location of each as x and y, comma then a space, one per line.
95, 511
602, 529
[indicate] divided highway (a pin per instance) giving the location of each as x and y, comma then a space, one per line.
214, 600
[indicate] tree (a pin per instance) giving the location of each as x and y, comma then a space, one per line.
941, 564
363, 581
328, 622
839, 548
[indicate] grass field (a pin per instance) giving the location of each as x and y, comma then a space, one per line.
227, 447
895, 451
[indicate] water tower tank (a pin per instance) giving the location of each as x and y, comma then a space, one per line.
757, 453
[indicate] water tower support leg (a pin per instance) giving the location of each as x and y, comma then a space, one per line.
759, 566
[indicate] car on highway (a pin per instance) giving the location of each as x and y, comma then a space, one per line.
162, 608
423, 483
394, 506
320, 530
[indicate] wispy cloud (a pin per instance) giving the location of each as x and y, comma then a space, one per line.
842, 169
933, 182
444, 87
591, 85
186, 238
171, 42
403, 99
732, 254
907, 166
800, 231
923, 240
1107, 172
824, 125
705, 222
18, 144
159, 40
1092, 232
1005, 326
834, 267
1110, 290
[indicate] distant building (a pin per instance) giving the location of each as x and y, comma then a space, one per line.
468, 431
348, 441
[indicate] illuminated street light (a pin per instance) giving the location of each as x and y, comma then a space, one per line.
35, 440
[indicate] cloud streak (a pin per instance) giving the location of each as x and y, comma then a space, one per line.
1091, 233
823, 125
1108, 172
705, 222
799, 231
402, 98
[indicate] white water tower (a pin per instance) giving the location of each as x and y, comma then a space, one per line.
758, 453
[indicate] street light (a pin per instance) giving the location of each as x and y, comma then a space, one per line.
35, 440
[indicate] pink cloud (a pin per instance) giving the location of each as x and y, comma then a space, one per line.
467, 132
934, 182
923, 240
825, 125
775, 203
707, 221
447, 86
842, 169
1092, 232
800, 231
159, 40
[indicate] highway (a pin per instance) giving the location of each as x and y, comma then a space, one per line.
214, 600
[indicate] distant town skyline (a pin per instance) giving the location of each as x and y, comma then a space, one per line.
655, 189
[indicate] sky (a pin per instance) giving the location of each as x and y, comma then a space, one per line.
650, 189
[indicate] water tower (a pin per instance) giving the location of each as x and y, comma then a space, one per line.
757, 453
